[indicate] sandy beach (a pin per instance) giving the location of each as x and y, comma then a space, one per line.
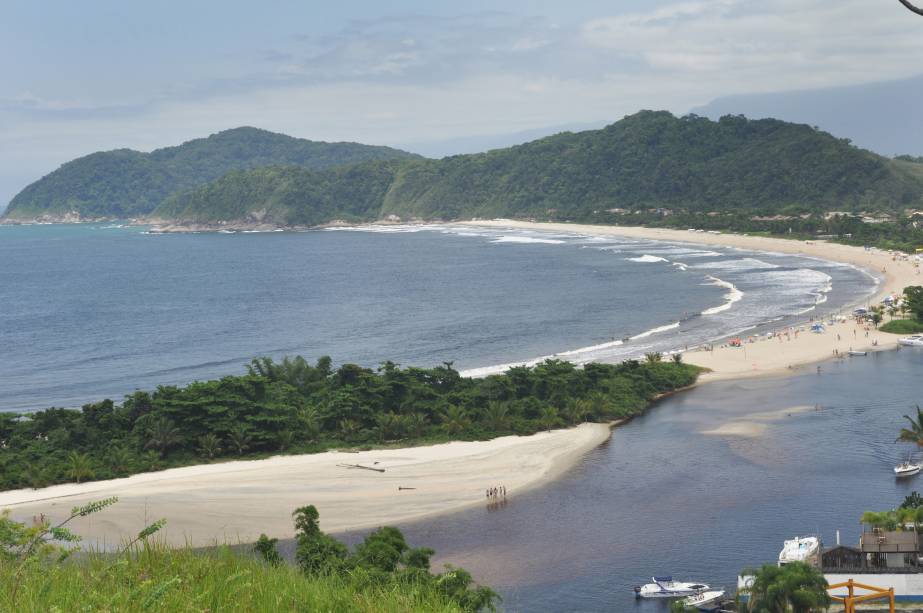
235, 501
771, 356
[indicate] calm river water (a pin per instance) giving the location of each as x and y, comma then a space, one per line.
669, 495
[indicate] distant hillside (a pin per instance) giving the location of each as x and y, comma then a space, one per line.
650, 159
126, 183
877, 116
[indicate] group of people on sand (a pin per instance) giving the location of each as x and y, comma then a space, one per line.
496, 492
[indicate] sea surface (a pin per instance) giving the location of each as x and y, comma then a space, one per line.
91, 311
707, 483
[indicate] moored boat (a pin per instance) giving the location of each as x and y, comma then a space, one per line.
911, 341
666, 587
800, 549
705, 601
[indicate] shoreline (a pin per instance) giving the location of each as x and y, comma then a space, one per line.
234, 502
778, 355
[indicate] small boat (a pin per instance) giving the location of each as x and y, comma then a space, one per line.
800, 549
705, 601
666, 587
858, 353
907, 469
911, 341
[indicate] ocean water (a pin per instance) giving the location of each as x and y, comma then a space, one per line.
98, 310
708, 482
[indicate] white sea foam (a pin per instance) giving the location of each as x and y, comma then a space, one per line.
649, 259
733, 295
527, 240
734, 265
656, 330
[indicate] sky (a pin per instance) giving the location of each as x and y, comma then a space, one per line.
77, 77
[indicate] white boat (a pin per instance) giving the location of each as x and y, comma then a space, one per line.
907, 469
800, 549
705, 601
858, 353
666, 587
911, 341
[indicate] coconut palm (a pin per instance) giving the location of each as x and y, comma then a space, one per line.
309, 422
79, 466
416, 424
348, 428
677, 358
163, 435
284, 439
795, 587
549, 418
455, 420
579, 410
390, 425
209, 445
239, 437
653, 357
497, 416
913, 434
120, 459
885, 520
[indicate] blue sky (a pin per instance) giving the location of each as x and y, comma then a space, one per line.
84, 76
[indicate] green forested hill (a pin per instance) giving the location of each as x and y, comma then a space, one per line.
650, 159
126, 183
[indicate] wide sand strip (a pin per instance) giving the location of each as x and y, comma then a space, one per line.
771, 356
236, 501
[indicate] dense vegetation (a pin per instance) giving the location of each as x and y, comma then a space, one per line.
903, 326
795, 587
295, 407
126, 183
382, 574
646, 160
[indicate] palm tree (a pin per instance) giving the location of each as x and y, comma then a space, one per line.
163, 435
455, 420
79, 466
549, 418
284, 438
677, 358
913, 434
309, 420
390, 425
348, 429
795, 587
151, 461
497, 416
35, 476
240, 438
579, 410
416, 424
886, 520
120, 459
209, 445
653, 357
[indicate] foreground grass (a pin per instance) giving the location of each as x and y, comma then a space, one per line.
902, 326
159, 579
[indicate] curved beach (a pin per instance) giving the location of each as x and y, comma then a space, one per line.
770, 356
236, 501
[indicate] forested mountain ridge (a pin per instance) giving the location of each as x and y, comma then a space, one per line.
646, 160
127, 183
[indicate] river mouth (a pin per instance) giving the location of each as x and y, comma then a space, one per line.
708, 482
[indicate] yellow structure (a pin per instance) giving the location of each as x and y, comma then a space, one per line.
851, 600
